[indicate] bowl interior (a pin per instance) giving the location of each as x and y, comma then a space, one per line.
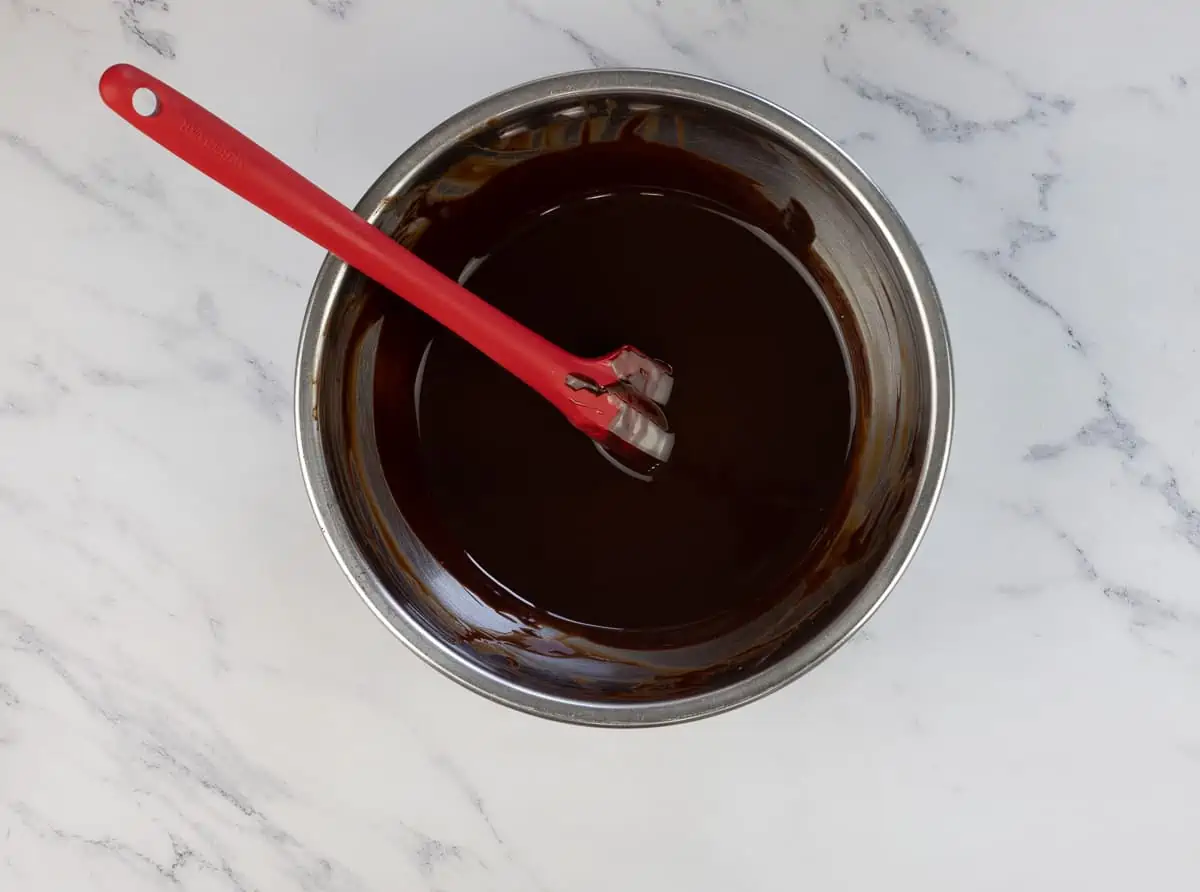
861, 274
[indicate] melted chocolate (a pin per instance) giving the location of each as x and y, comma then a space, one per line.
596, 247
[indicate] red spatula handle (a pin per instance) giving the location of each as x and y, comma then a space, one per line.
239, 164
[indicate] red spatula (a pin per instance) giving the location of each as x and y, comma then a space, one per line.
615, 399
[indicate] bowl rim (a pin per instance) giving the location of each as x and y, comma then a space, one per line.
834, 163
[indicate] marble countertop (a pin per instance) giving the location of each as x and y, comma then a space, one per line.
192, 696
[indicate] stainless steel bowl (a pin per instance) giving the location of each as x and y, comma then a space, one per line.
879, 290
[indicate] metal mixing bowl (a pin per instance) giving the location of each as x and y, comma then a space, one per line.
879, 293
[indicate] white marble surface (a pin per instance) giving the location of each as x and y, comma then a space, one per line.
191, 696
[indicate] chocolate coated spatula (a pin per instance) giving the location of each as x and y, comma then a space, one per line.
616, 399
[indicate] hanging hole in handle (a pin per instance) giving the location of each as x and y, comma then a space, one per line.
145, 103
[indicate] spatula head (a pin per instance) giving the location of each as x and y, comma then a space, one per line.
650, 377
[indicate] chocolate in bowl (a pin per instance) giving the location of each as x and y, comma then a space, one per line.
812, 405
